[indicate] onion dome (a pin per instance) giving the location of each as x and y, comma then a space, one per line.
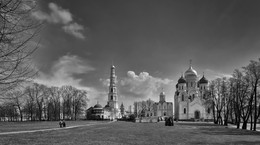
203, 80
112, 66
190, 72
98, 106
181, 80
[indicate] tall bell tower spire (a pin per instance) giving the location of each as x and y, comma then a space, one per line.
112, 95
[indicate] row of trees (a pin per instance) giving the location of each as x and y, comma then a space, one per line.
39, 102
236, 99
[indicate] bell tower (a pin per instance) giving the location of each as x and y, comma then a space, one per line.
112, 95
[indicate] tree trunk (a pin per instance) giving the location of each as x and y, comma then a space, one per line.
255, 117
214, 113
238, 122
21, 116
244, 126
251, 120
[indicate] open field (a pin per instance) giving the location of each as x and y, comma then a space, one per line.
137, 133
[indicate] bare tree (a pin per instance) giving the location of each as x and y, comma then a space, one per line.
17, 31
37, 95
54, 105
80, 103
18, 98
253, 72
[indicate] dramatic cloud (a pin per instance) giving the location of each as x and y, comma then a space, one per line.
64, 69
62, 16
142, 86
63, 72
74, 29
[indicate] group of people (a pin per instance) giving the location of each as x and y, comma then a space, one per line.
62, 123
169, 121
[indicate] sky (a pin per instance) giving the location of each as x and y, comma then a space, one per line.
150, 42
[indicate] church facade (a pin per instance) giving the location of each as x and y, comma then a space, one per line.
163, 108
189, 97
150, 108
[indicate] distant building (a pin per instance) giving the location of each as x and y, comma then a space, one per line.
111, 110
150, 108
189, 97
163, 108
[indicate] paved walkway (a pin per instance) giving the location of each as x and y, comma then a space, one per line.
50, 129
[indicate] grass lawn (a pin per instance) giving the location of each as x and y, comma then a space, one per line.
138, 133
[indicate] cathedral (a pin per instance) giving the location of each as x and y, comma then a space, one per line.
189, 97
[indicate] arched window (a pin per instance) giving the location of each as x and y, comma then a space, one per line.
191, 84
111, 90
193, 96
111, 97
184, 110
182, 97
204, 87
208, 110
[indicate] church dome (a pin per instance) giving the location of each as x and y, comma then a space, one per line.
97, 106
181, 80
203, 80
190, 72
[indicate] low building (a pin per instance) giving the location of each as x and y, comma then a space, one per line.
95, 113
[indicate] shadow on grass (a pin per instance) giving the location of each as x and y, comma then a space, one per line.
195, 124
228, 131
230, 143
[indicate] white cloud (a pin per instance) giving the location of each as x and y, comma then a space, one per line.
75, 30
142, 85
58, 15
